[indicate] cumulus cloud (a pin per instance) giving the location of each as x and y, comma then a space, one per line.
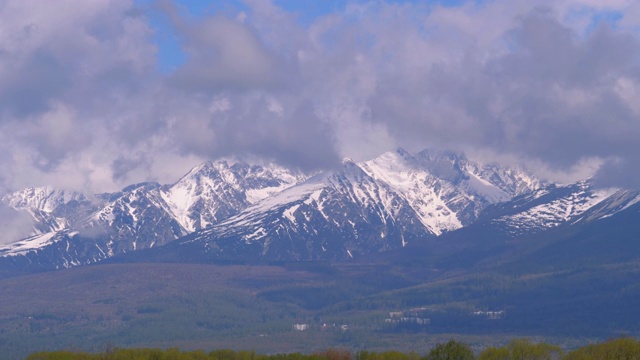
224, 54
66, 69
83, 104
551, 97
244, 96
540, 90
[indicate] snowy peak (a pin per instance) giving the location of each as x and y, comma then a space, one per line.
261, 181
235, 210
457, 168
445, 189
402, 172
550, 207
445, 165
50, 209
209, 192
511, 181
388, 201
141, 215
214, 191
385, 203
619, 201
364, 191
44, 198
335, 215
219, 170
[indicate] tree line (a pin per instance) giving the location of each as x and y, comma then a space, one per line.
520, 349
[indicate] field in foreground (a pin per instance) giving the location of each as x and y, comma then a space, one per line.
519, 349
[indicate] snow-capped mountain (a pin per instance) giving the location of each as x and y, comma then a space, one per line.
446, 190
212, 192
239, 211
51, 209
330, 216
549, 207
619, 201
73, 230
377, 205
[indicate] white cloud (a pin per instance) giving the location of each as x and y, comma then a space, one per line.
82, 103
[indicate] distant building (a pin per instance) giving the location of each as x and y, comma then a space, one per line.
491, 315
412, 316
300, 327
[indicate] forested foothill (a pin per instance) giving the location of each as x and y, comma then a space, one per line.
303, 308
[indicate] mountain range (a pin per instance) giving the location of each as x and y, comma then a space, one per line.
222, 211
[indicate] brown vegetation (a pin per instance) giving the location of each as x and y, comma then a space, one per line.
521, 349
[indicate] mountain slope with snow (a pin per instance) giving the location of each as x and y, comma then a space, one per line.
238, 211
446, 190
547, 208
140, 216
364, 208
51, 209
331, 216
212, 192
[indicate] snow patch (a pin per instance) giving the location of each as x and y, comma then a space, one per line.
484, 188
556, 212
27, 245
288, 213
416, 186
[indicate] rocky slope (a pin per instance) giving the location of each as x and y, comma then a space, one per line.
239, 211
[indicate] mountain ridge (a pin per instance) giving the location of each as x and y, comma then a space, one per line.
232, 211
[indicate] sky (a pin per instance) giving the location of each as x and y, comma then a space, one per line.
96, 95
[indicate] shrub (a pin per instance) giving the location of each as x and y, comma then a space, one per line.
452, 350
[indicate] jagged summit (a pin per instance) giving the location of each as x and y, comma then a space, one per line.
44, 198
213, 191
141, 215
51, 209
236, 210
